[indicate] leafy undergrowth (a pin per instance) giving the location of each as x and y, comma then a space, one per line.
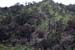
17, 47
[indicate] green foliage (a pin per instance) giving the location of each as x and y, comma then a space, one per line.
17, 47
22, 25
44, 25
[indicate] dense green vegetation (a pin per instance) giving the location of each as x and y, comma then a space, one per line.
37, 26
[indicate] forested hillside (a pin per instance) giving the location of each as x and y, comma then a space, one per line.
37, 26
